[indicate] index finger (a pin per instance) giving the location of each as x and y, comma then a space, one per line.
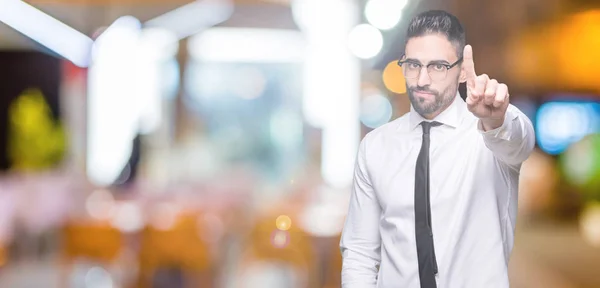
469, 65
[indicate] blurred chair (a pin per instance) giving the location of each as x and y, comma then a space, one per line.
94, 241
290, 246
178, 246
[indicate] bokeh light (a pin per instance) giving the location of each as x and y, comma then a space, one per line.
578, 35
97, 277
128, 217
280, 239
590, 224
375, 110
323, 219
100, 204
581, 165
384, 14
283, 222
164, 216
559, 124
365, 41
393, 78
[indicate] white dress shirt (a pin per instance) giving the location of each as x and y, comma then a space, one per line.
474, 178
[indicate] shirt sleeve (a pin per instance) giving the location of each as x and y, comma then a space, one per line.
513, 142
361, 241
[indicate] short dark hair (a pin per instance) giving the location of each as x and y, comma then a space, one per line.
438, 22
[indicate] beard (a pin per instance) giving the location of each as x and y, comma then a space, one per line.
441, 99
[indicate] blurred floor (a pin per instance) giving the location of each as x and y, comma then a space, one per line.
553, 255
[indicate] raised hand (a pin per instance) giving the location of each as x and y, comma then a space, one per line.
486, 98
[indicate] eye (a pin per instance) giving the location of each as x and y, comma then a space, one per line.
439, 67
414, 65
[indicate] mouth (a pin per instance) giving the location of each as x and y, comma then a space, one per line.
423, 94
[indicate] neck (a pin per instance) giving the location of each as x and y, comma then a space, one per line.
431, 116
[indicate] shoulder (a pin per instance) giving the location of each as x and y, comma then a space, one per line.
380, 135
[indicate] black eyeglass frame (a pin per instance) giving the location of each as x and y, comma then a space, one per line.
448, 66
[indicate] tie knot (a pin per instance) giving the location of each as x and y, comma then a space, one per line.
427, 126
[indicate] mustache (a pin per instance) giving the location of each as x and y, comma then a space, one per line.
423, 90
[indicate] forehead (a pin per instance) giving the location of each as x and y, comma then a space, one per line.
430, 47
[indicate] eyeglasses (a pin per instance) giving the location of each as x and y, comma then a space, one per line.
437, 71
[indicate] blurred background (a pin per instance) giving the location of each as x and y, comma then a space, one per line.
154, 143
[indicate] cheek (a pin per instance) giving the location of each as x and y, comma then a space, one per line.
452, 80
411, 83
458, 76
446, 87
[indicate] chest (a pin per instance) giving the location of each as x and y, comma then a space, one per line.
459, 162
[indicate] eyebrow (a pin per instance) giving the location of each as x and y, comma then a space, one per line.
412, 60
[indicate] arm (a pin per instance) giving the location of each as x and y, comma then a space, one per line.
513, 140
360, 242
506, 131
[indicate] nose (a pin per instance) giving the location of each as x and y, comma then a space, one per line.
423, 79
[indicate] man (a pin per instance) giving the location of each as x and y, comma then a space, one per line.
434, 200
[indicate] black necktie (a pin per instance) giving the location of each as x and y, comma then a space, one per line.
424, 234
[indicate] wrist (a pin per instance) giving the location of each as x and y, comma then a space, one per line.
491, 124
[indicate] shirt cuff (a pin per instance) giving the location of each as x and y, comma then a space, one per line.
503, 132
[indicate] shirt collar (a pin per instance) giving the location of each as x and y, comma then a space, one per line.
450, 117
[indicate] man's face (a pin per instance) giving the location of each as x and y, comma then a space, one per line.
428, 96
